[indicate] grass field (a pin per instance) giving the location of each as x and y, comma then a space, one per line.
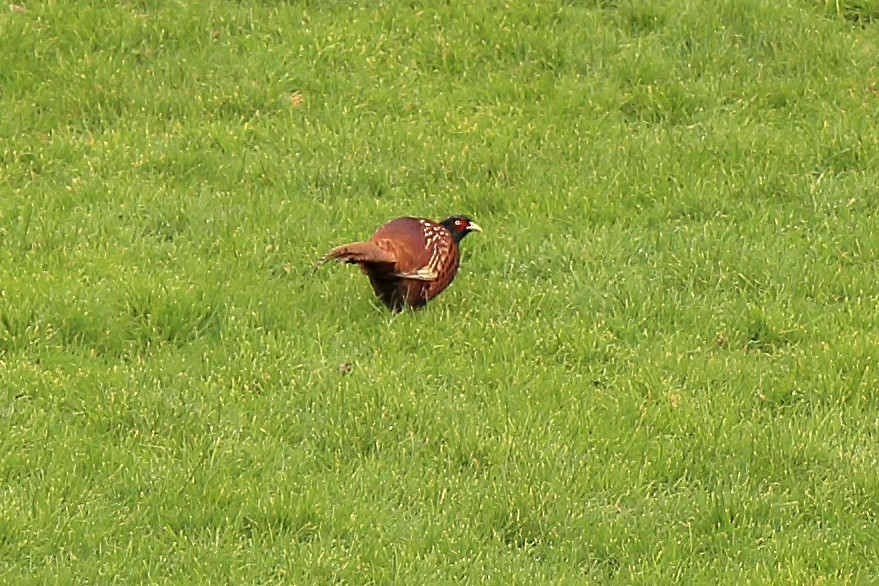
659, 363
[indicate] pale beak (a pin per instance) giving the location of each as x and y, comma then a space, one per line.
474, 227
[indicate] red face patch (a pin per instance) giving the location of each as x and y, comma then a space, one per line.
461, 224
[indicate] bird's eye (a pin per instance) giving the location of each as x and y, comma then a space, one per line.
460, 224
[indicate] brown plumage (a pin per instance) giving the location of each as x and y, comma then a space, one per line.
409, 261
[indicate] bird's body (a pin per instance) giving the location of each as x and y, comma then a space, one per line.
409, 261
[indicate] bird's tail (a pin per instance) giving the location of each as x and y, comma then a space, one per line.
358, 252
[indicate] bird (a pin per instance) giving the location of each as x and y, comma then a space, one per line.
409, 261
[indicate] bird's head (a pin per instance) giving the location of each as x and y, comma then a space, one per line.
460, 226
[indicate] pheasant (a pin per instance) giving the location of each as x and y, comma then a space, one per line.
409, 261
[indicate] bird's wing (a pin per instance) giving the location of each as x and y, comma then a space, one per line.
422, 274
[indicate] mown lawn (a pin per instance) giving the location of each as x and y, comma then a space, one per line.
658, 364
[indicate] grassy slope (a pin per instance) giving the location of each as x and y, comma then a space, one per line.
657, 364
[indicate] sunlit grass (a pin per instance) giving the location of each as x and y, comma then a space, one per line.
657, 364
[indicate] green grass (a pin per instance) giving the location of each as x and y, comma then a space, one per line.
658, 364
